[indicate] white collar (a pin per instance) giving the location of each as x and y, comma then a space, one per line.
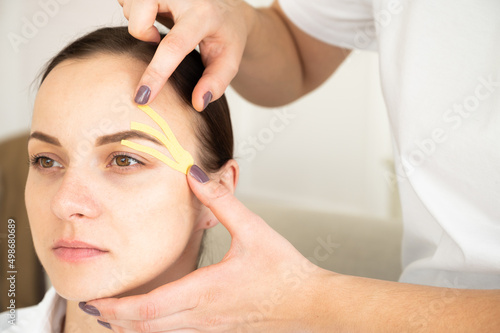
45, 317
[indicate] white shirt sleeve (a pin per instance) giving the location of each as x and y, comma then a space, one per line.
344, 23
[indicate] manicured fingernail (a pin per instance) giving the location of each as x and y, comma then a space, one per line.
207, 98
103, 323
143, 94
198, 174
89, 309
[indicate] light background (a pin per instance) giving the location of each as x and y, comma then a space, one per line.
333, 156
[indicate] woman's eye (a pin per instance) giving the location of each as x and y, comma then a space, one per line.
45, 162
124, 161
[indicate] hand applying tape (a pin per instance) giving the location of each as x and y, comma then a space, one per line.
182, 159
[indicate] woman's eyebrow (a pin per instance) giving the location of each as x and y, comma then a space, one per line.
45, 138
118, 137
102, 140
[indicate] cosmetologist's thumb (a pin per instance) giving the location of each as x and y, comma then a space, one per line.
224, 205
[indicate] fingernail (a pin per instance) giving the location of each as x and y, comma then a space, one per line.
103, 323
207, 98
198, 174
89, 309
142, 96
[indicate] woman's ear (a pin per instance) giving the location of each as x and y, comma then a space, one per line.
228, 176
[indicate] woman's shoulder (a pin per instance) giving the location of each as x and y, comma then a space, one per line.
46, 316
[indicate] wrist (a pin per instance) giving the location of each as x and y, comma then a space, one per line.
250, 15
327, 311
258, 25
344, 303
308, 306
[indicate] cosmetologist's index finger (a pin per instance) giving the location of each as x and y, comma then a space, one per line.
179, 42
166, 300
237, 218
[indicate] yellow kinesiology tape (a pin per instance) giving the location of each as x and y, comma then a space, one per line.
182, 159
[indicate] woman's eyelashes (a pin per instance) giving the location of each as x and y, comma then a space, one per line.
43, 162
123, 161
118, 161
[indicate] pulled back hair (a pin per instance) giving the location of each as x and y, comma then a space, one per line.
212, 126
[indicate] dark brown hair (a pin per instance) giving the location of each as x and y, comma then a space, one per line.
213, 128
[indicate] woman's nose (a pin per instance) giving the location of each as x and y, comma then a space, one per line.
75, 200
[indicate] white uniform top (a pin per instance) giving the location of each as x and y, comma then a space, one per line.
440, 72
45, 317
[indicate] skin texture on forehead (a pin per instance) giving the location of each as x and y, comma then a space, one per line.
120, 73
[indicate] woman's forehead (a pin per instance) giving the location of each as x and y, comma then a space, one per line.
85, 93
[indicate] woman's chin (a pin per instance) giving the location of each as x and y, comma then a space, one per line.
86, 291
88, 282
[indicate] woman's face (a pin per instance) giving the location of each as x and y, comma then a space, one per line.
107, 220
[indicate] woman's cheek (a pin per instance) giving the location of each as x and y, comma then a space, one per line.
38, 217
161, 236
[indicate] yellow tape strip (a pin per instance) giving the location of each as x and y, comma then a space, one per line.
183, 159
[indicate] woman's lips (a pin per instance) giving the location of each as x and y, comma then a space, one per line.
73, 251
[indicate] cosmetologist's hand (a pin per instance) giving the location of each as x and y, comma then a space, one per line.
263, 284
219, 27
